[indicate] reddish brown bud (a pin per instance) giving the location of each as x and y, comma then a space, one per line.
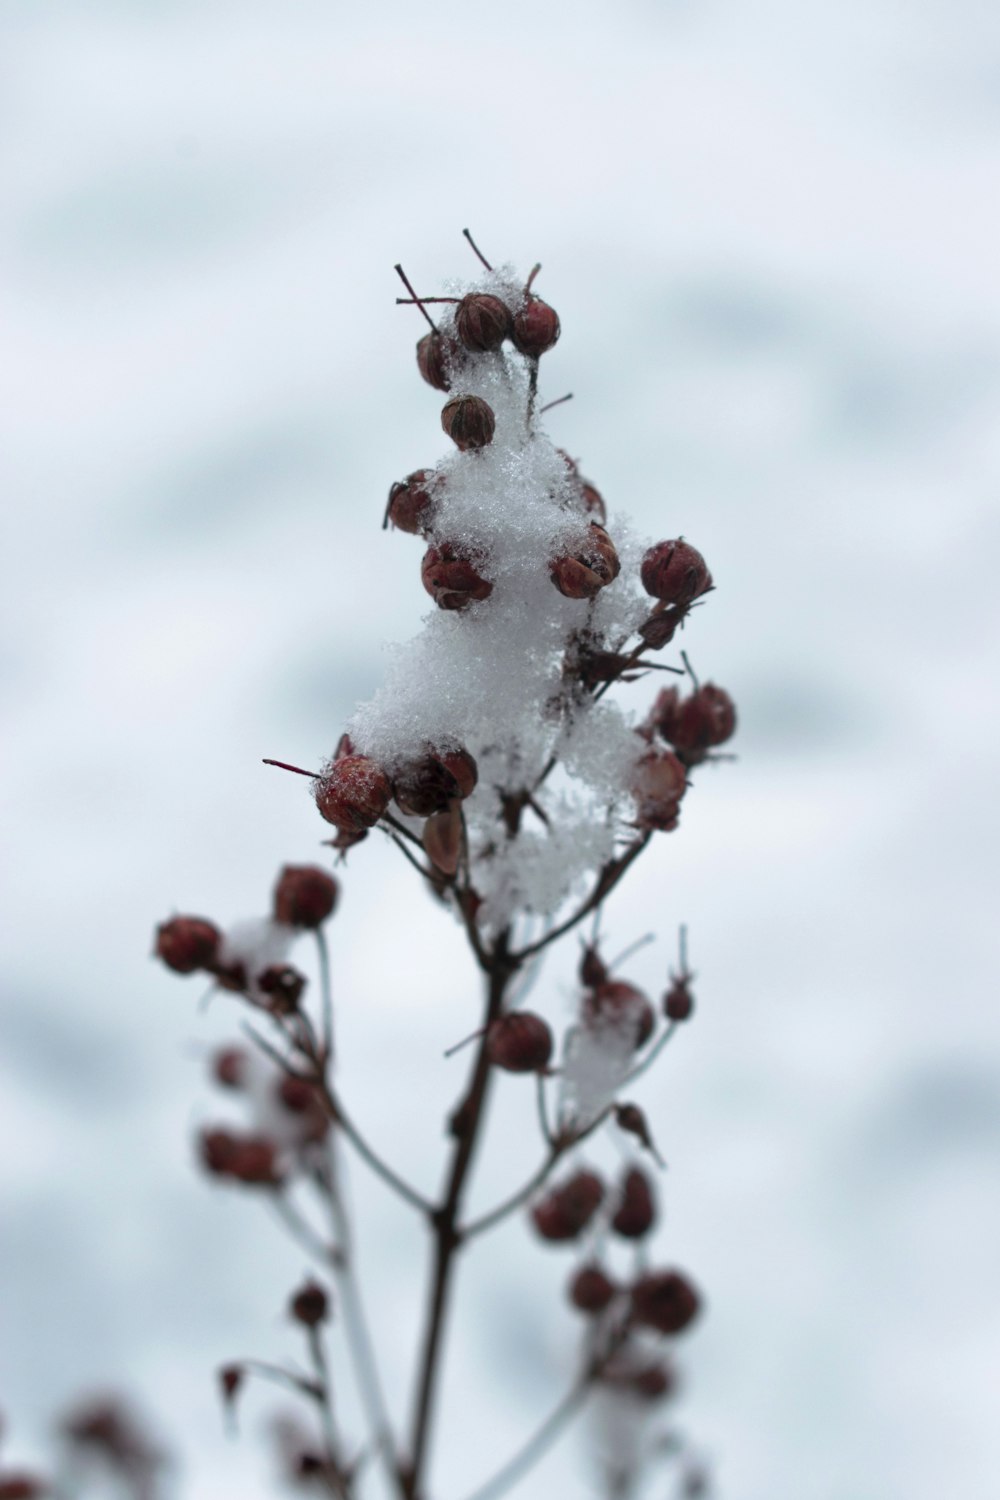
428, 784
482, 322
283, 987
438, 357
675, 572
310, 1305
353, 793
620, 1005
535, 327
591, 1290
665, 1300
593, 969
249, 1159
629, 1117
469, 421
229, 1067
452, 581
519, 1043
567, 1210
706, 719
411, 501
583, 573
659, 630
678, 1002
442, 839
304, 896
186, 944
636, 1213
658, 784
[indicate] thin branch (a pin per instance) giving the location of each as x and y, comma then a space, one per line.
303, 1232
476, 248
540, 1441
381, 1168
652, 1054
326, 992
543, 1114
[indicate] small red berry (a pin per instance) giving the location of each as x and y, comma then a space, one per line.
482, 322
620, 1005
591, 1290
678, 1002
535, 327
519, 1043
469, 421
304, 896
665, 1301
589, 568
186, 944
452, 581
353, 793
567, 1210
411, 501
636, 1212
310, 1305
675, 572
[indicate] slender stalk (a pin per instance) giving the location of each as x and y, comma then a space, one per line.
539, 1442
326, 992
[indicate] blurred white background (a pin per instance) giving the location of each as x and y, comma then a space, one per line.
771, 232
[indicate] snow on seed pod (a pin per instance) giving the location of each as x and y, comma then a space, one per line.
583, 572
304, 896
438, 358
665, 1301
352, 793
411, 501
620, 1007
469, 421
186, 944
636, 1211
427, 784
565, 1211
452, 580
658, 784
591, 1289
675, 572
535, 327
482, 322
519, 1042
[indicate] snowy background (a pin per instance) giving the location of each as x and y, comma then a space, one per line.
771, 232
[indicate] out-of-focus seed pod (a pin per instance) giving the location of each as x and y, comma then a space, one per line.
283, 985
658, 784
310, 1305
584, 572
519, 1042
250, 1159
659, 629
19, 1485
535, 327
701, 722
620, 1006
665, 1301
304, 896
678, 1002
438, 359
591, 1290
230, 1380
427, 784
453, 581
353, 793
636, 1212
411, 501
567, 1210
230, 1066
186, 944
593, 969
442, 839
469, 421
675, 572
482, 322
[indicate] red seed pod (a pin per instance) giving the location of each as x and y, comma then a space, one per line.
442, 839
482, 322
665, 1301
283, 987
584, 572
706, 719
304, 896
591, 1290
616, 1004
438, 357
469, 421
186, 944
655, 1382
675, 572
593, 969
519, 1043
678, 1002
310, 1305
452, 580
636, 1213
535, 328
411, 501
17, 1485
567, 1210
250, 1159
353, 793
658, 784
229, 1067
426, 785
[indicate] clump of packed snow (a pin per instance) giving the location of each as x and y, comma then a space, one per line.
596, 1061
490, 677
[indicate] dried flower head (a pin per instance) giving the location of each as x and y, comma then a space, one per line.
665, 1301
411, 501
469, 421
353, 793
535, 328
187, 944
582, 573
453, 580
482, 322
675, 572
566, 1210
304, 896
438, 359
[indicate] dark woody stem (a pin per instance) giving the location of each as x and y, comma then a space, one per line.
418, 300
476, 248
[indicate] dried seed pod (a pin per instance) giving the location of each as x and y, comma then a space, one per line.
304, 896
659, 629
664, 1300
310, 1305
250, 1159
675, 572
567, 1210
658, 784
535, 328
705, 719
482, 322
591, 1290
469, 421
678, 1002
186, 944
438, 358
663, 713
453, 581
636, 1212
229, 1067
618, 1005
427, 785
589, 568
353, 793
283, 987
519, 1042
442, 839
411, 501
593, 969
